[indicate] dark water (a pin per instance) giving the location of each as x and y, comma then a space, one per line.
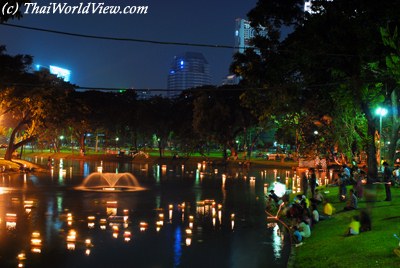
188, 216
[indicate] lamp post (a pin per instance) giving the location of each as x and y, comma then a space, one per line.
116, 143
61, 142
381, 112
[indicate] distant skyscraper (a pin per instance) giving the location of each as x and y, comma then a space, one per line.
62, 73
243, 35
189, 70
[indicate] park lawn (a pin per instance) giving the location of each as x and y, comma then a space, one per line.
329, 247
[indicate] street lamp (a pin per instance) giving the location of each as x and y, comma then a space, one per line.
116, 143
381, 112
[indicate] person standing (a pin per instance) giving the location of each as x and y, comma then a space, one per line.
387, 176
313, 182
304, 183
353, 201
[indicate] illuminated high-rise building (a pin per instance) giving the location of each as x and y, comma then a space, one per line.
188, 70
62, 73
244, 33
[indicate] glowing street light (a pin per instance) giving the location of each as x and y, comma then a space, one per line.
381, 112
116, 143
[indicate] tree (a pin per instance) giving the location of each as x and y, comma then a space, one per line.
30, 105
219, 117
327, 51
11, 9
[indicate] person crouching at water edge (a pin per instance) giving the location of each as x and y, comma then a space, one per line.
301, 230
273, 200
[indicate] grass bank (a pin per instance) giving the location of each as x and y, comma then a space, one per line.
329, 247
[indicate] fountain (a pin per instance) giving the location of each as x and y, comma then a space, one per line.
110, 182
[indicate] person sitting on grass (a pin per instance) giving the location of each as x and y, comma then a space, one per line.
354, 226
318, 197
315, 214
302, 230
353, 202
328, 209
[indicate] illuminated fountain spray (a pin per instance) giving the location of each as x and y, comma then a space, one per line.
110, 182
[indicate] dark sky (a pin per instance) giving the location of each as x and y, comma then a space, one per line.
121, 64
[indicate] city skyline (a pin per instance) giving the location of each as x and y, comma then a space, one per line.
123, 64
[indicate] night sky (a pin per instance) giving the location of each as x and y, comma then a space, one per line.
121, 64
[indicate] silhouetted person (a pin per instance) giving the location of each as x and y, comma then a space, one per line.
365, 221
387, 175
313, 182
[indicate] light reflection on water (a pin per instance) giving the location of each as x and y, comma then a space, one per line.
189, 212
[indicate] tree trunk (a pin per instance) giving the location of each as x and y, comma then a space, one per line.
395, 128
82, 143
371, 154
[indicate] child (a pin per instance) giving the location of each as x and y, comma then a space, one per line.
353, 201
354, 226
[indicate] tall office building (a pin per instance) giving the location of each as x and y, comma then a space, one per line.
188, 70
243, 35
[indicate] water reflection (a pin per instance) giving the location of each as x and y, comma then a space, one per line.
186, 213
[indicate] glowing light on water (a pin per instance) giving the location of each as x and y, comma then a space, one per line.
11, 221
277, 242
71, 237
103, 224
188, 240
159, 224
279, 188
143, 226
127, 236
69, 219
170, 210
232, 221
36, 243
88, 242
87, 252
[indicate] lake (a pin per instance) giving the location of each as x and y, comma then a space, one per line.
182, 216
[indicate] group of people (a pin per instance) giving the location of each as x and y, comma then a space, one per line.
350, 176
304, 214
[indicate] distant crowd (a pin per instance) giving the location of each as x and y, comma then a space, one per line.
311, 206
